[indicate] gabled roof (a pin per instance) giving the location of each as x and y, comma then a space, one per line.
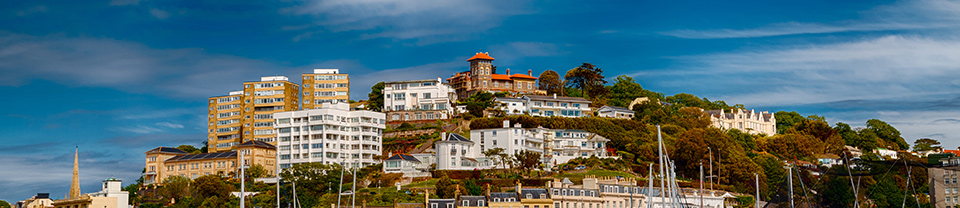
457, 137
506, 99
615, 108
203, 156
169, 150
402, 156
256, 143
522, 76
481, 56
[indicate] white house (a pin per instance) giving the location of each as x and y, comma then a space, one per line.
409, 165
567, 144
512, 106
511, 139
615, 112
884, 152
414, 100
557, 106
331, 134
455, 152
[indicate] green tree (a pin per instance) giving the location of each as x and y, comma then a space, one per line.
785, 120
745, 140
775, 176
527, 160
255, 171
926, 144
837, 193
624, 91
214, 202
314, 180
588, 78
885, 193
375, 97
549, 81
501, 157
472, 187
445, 188
852, 137
175, 187
189, 148
211, 186
888, 133
4, 204
478, 102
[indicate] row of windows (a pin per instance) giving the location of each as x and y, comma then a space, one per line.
268, 85
229, 121
329, 93
551, 104
228, 99
267, 100
268, 92
227, 129
227, 114
227, 107
329, 85
329, 77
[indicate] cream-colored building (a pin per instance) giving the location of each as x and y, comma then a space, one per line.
163, 162
325, 86
418, 100
41, 200
746, 121
110, 196
246, 115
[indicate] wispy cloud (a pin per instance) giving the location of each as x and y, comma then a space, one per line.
159, 14
32, 10
127, 66
426, 22
169, 125
904, 15
124, 2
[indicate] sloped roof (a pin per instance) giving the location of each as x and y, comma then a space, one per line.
402, 156
481, 56
170, 150
535, 193
559, 98
256, 143
615, 108
457, 137
522, 76
203, 156
500, 77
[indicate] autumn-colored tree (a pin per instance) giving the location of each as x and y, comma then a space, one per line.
211, 186
791, 145
527, 160
176, 187
445, 188
549, 81
832, 141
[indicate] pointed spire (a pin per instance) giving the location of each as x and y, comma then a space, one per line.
75, 183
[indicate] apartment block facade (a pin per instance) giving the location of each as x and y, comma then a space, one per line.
325, 86
944, 184
247, 115
163, 162
562, 106
330, 134
418, 100
482, 77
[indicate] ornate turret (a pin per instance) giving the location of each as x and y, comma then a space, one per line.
75, 183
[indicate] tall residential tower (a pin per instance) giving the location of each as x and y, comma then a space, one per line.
325, 86
246, 115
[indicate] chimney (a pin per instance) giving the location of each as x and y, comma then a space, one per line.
519, 186
554, 95
530, 72
456, 193
426, 198
488, 190
508, 71
506, 123
443, 136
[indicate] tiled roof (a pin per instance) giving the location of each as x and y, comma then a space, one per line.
203, 156
166, 150
256, 143
504, 195
402, 156
506, 99
534, 193
500, 77
522, 76
472, 201
481, 56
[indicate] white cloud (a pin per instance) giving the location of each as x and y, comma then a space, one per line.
32, 10
904, 15
878, 68
169, 125
124, 2
124, 65
159, 14
139, 129
426, 22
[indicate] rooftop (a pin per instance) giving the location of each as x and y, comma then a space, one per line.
255, 143
557, 98
169, 150
481, 56
402, 156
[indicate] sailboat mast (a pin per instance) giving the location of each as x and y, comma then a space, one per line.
662, 170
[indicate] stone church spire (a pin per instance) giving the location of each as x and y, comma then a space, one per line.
75, 183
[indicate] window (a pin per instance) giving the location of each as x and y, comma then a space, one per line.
466, 203
450, 205
529, 196
479, 203
433, 205
426, 95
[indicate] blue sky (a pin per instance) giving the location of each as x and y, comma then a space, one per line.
119, 77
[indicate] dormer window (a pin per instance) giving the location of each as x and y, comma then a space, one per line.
543, 196
466, 203
529, 196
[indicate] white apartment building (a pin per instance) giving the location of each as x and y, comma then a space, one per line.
410, 165
418, 100
455, 152
566, 144
331, 134
746, 121
562, 106
512, 106
511, 139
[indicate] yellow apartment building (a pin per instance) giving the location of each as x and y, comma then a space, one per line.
325, 86
163, 162
246, 115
